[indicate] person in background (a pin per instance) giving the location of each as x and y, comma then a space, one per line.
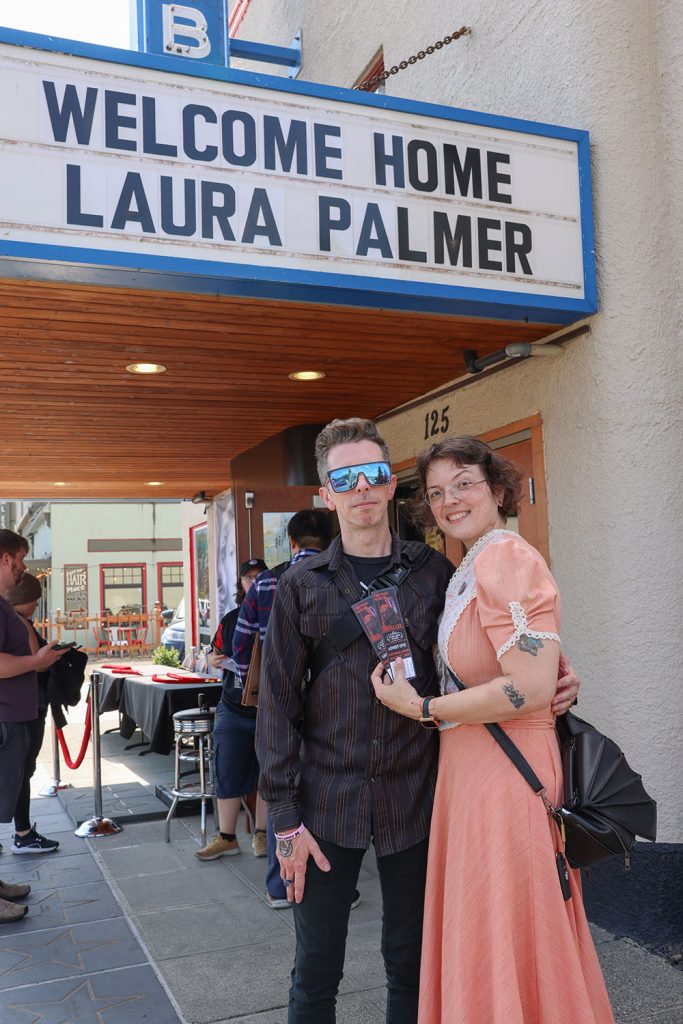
18, 699
235, 764
24, 598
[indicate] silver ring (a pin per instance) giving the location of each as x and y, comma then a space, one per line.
287, 882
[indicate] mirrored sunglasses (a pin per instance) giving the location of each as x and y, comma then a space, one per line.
346, 477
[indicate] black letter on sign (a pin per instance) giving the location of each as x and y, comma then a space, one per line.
327, 223
496, 178
460, 238
486, 244
469, 173
73, 200
394, 160
287, 148
190, 113
222, 213
404, 250
114, 121
415, 146
260, 206
133, 189
373, 221
323, 151
167, 223
248, 157
149, 131
70, 111
520, 248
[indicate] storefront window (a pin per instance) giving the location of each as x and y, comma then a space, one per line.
123, 589
170, 584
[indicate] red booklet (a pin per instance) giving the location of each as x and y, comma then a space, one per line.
380, 616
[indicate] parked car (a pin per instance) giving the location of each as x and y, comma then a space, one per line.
174, 634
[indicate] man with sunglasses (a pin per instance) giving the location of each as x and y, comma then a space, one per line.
361, 775
338, 770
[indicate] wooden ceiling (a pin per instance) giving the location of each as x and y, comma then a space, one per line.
70, 412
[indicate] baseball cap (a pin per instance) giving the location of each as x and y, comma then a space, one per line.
251, 564
27, 589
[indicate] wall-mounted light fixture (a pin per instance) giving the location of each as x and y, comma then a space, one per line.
249, 504
515, 350
198, 498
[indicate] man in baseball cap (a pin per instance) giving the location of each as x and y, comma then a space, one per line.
247, 568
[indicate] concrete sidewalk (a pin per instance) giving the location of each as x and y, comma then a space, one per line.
129, 929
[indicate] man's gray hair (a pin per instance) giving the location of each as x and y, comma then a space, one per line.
342, 432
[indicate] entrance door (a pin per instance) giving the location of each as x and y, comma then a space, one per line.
520, 442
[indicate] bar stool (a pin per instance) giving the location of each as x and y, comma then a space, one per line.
194, 743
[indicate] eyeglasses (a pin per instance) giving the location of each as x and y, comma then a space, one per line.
436, 496
346, 477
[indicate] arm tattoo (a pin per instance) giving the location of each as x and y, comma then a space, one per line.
529, 644
513, 695
285, 847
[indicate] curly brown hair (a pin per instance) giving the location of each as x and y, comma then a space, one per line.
503, 477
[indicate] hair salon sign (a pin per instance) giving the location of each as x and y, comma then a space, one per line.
157, 164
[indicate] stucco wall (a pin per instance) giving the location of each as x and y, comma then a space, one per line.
611, 403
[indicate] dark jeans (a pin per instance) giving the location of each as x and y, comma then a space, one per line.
274, 883
13, 747
321, 922
36, 731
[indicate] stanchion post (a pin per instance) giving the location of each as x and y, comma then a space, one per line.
98, 825
54, 787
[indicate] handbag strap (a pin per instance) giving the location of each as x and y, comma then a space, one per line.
504, 741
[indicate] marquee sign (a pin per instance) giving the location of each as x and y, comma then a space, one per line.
137, 162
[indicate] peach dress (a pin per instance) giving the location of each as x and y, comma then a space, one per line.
501, 945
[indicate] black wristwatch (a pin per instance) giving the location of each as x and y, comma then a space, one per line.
427, 720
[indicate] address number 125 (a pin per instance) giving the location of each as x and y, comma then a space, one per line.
436, 422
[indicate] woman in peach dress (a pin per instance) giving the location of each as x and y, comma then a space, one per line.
500, 943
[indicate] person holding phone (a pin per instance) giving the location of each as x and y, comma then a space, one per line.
19, 668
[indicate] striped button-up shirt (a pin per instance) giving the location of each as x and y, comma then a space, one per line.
330, 754
254, 615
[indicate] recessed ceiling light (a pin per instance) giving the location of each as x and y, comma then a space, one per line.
307, 375
59, 483
154, 483
146, 368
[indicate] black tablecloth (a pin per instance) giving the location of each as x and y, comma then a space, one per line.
151, 705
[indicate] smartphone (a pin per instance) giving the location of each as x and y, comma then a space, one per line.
65, 647
563, 872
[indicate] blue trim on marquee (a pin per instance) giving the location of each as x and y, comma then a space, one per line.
168, 273
389, 288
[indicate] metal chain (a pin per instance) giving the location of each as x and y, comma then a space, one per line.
368, 85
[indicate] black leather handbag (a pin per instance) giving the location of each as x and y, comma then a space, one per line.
605, 804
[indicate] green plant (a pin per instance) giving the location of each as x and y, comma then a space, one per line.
166, 656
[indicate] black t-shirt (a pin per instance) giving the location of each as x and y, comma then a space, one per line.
222, 641
368, 569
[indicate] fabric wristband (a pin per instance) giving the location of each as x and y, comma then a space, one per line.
282, 836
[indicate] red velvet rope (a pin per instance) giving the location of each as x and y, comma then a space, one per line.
84, 743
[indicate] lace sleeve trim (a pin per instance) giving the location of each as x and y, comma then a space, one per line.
521, 625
